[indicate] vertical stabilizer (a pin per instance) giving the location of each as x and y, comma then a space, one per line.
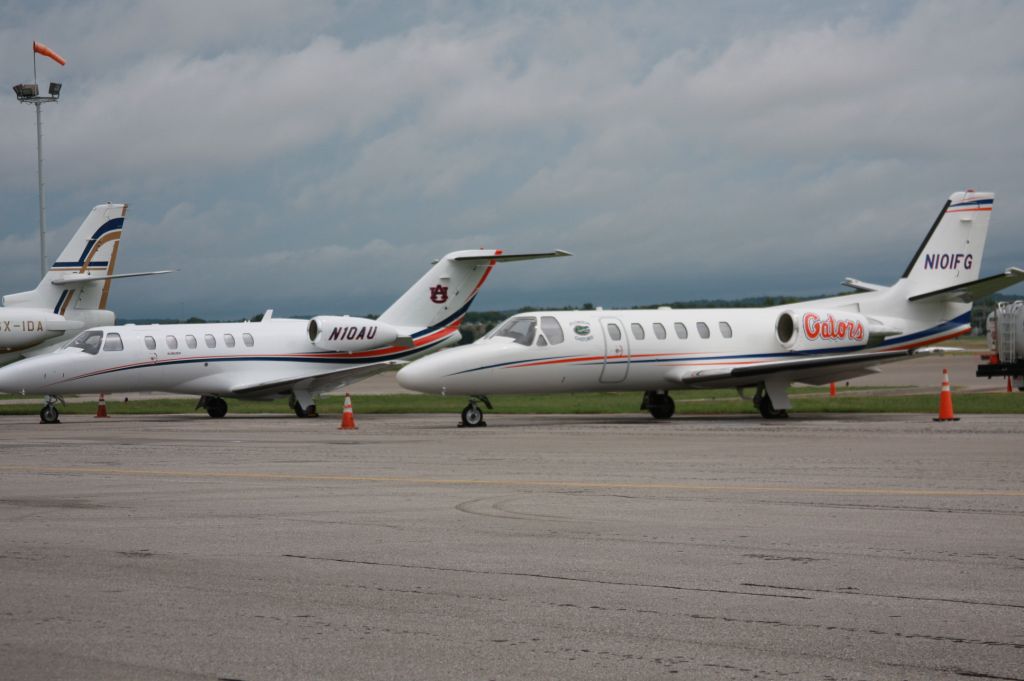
91, 251
951, 253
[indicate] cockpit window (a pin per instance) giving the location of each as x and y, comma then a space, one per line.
113, 342
519, 329
88, 341
552, 329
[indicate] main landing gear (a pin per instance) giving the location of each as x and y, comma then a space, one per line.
215, 406
303, 405
472, 416
763, 402
659, 404
49, 414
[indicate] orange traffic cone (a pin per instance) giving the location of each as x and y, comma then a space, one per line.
1009, 384
348, 418
831, 389
101, 408
946, 400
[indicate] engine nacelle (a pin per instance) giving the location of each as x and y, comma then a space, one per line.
820, 329
350, 334
23, 328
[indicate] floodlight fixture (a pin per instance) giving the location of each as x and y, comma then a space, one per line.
55, 90
26, 91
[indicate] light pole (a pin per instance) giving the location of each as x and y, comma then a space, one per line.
29, 93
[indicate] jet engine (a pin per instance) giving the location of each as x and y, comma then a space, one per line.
823, 329
23, 328
350, 334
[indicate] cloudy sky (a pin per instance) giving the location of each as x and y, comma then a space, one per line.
315, 156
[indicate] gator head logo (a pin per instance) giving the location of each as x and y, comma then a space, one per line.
581, 329
439, 294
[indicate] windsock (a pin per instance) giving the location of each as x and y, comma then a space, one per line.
42, 49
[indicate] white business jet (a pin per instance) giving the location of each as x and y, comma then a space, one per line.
72, 294
261, 360
766, 349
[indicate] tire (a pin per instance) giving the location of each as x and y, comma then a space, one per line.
299, 411
663, 408
472, 417
216, 408
768, 411
49, 414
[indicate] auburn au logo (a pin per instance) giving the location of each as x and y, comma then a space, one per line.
439, 294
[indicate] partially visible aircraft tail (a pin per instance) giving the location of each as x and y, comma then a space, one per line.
950, 256
442, 296
80, 277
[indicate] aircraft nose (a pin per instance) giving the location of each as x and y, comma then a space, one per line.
423, 375
18, 377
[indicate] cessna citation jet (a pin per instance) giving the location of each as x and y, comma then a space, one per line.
765, 349
72, 295
261, 360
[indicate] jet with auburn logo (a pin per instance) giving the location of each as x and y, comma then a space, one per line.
764, 350
299, 358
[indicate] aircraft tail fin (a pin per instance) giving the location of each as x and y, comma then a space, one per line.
951, 254
92, 251
442, 296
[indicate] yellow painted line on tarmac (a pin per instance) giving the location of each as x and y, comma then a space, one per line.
667, 486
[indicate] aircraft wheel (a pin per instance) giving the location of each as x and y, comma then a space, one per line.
49, 414
768, 411
216, 407
472, 417
299, 411
663, 408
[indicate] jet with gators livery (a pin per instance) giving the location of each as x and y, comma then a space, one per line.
262, 360
72, 294
765, 350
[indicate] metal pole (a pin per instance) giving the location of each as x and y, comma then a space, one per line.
42, 191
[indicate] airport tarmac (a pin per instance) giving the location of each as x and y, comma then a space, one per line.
540, 547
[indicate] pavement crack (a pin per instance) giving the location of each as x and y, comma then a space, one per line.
847, 592
538, 575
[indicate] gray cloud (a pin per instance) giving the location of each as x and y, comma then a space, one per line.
317, 159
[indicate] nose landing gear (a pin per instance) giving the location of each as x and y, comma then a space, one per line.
49, 414
472, 416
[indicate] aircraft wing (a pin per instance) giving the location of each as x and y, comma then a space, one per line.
967, 293
72, 279
813, 370
317, 383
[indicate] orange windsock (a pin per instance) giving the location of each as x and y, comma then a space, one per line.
47, 52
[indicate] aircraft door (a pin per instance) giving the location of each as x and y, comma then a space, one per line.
616, 351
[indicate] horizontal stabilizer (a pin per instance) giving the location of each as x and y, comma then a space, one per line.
74, 279
858, 285
968, 293
511, 257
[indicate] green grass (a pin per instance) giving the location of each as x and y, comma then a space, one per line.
687, 402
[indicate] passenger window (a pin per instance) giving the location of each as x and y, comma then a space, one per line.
172, 343
190, 341
247, 339
725, 329
113, 342
638, 331
703, 330
229, 340
681, 330
150, 343
211, 342
659, 331
552, 329
519, 329
614, 332
88, 341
